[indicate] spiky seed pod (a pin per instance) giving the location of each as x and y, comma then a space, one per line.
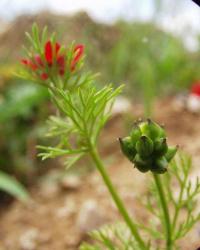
144, 146
171, 153
160, 165
135, 134
152, 130
160, 146
147, 147
141, 164
127, 147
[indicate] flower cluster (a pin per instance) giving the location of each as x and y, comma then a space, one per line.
53, 60
147, 147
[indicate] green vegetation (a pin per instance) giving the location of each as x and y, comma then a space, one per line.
13, 187
183, 213
151, 62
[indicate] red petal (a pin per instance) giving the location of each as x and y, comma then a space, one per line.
48, 52
61, 72
33, 66
39, 60
78, 54
61, 61
44, 76
29, 63
25, 61
57, 46
79, 51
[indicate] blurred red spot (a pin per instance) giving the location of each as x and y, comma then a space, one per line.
48, 52
195, 89
44, 76
38, 60
78, 52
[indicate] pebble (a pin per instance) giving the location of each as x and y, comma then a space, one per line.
193, 103
29, 239
121, 105
66, 210
71, 182
49, 190
90, 216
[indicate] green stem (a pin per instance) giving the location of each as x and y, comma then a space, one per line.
117, 199
178, 206
165, 211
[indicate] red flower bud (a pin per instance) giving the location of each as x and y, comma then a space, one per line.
78, 50
39, 61
61, 72
61, 61
57, 47
44, 76
33, 66
49, 53
25, 61
29, 63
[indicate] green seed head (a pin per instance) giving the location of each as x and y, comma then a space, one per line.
127, 147
171, 153
141, 164
135, 134
144, 146
160, 165
152, 129
160, 146
147, 147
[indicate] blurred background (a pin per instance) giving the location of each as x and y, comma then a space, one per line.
153, 46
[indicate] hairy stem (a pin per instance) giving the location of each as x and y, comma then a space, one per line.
165, 211
132, 226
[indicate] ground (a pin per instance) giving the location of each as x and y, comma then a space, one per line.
61, 213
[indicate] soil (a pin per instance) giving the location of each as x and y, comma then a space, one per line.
60, 214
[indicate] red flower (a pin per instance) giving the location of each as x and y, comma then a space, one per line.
29, 63
78, 51
52, 57
195, 90
49, 53
57, 48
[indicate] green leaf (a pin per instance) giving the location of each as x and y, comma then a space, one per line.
71, 160
35, 32
20, 100
86, 246
44, 35
13, 187
111, 237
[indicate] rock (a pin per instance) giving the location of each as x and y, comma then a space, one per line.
193, 103
121, 105
72, 182
90, 217
68, 209
44, 238
49, 189
179, 102
29, 239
